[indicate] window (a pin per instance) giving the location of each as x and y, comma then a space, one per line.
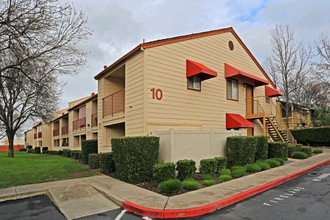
194, 82
267, 99
232, 89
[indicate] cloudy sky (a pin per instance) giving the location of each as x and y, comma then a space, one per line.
120, 25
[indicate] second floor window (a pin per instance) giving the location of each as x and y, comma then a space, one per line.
232, 89
194, 82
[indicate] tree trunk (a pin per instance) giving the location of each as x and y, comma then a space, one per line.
287, 114
11, 145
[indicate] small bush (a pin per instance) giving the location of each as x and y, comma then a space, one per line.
23, 149
209, 182
238, 171
280, 160
224, 178
76, 154
164, 171
28, 149
278, 150
299, 155
190, 184
225, 172
44, 150
52, 152
221, 163
292, 148
93, 161
88, 147
261, 148
37, 150
263, 164
66, 153
240, 150
253, 168
307, 150
60, 152
317, 151
206, 177
273, 163
170, 186
107, 164
208, 166
186, 169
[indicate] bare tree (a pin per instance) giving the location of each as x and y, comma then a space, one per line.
322, 65
287, 63
38, 42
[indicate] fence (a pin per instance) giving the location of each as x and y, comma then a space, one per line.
16, 148
193, 144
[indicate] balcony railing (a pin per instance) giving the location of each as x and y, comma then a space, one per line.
79, 124
35, 136
65, 130
39, 134
56, 132
94, 119
114, 103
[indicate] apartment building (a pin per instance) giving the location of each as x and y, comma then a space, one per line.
41, 134
28, 137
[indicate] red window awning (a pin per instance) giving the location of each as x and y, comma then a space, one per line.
270, 92
194, 68
231, 72
237, 121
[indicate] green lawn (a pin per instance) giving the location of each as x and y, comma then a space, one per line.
38, 168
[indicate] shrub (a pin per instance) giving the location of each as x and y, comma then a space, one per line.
238, 171
317, 151
280, 160
224, 178
221, 163
76, 154
66, 153
186, 169
253, 168
209, 182
312, 136
307, 150
164, 171
170, 186
52, 152
225, 172
261, 148
107, 164
23, 149
292, 148
190, 184
88, 147
135, 157
273, 163
240, 150
44, 150
93, 161
208, 166
60, 152
28, 149
37, 150
263, 164
299, 155
206, 177
278, 150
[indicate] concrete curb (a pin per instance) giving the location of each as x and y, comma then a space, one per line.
193, 212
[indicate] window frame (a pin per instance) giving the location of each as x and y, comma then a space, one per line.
237, 89
200, 83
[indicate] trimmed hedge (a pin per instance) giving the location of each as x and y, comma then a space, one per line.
307, 150
107, 164
88, 147
261, 148
28, 149
76, 154
23, 149
66, 153
317, 151
313, 136
241, 150
170, 186
52, 152
135, 157
94, 161
292, 148
164, 171
278, 150
37, 150
299, 155
208, 166
221, 163
186, 169
44, 150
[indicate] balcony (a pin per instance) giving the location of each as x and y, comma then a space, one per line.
39, 134
94, 120
35, 136
114, 103
56, 132
65, 130
79, 124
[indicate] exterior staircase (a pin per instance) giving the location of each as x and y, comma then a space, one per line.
274, 130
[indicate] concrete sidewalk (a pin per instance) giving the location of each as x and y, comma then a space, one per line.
86, 196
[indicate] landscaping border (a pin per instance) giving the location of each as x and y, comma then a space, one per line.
202, 210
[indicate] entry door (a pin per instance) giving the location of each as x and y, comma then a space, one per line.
249, 105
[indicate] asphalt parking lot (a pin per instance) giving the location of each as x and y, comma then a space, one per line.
306, 197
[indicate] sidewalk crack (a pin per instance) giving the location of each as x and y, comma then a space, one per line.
166, 203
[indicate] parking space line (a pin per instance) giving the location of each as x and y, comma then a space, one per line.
120, 215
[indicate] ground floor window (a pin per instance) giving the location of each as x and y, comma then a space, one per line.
194, 82
232, 89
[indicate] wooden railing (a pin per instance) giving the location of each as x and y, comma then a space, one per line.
94, 119
39, 134
79, 124
65, 130
56, 132
114, 103
35, 136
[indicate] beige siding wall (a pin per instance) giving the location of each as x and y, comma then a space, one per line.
29, 137
166, 70
47, 135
